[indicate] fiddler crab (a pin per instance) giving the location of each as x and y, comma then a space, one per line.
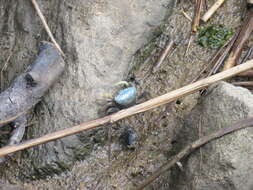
124, 98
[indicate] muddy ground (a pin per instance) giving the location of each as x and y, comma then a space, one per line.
157, 128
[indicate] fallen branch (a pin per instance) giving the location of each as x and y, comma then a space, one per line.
197, 12
44, 22
148, 105
28, 88
241, 40
212, 10
193, 146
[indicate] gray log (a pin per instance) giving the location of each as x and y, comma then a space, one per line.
28, 88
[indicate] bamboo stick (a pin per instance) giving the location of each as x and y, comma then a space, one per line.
196, 20
148, 105
212, 10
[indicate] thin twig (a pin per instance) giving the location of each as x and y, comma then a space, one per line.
244, 59
248, 54
145, 106
205, 5
212, 10
196, 20
164, 54
246, 74
3, 69
193, 146
241, 40
42, 18
186, 15
224, 55
218, 58
244, 83
189, 45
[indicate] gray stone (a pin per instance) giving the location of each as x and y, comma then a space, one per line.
99, 39
225, 163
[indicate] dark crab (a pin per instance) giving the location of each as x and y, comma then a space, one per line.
130, 138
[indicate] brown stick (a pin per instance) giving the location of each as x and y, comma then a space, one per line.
148, 105
241, 40
244, 83
246, 74
223, 55
196, 20
44, 22
193, 146
163, 55
248, 54
245, 58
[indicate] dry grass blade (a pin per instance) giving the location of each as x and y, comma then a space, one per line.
188, 45
3, 69
186, 15
36, 6
193, 146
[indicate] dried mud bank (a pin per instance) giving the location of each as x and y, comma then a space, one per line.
101, 39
